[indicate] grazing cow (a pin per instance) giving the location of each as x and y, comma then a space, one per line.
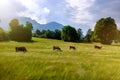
23, 49
72, 47
97, 47
57, 48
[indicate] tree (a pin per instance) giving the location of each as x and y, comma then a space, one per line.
28, 31
37, 32
19, 32
57, 34
14, 30
14, 24
69, 34
105, 30
3, 35
118, 36
88, 35
50, 34
80, 34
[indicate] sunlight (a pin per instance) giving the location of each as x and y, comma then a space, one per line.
6, 8
3, 3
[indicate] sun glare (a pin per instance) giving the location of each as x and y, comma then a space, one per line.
3, 3
5, 8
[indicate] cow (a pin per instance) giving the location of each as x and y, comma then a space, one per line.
57, 48
72, 47
22, 49
97, 47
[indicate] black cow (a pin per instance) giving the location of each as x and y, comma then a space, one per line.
22, 48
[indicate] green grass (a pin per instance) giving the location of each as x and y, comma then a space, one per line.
42, 63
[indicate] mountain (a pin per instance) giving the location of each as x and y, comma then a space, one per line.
51, 25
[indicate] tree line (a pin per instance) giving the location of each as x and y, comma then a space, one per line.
105, 31
48, 34
68, 33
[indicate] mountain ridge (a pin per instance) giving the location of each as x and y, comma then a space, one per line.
48, 26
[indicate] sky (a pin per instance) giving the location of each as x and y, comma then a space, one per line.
78, 13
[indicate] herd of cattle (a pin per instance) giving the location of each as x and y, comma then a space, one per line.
23, 49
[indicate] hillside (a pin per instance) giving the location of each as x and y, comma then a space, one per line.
51, 25
42, 63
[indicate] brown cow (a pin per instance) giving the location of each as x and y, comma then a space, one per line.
22, 48
57, 48
97, 47
72, 47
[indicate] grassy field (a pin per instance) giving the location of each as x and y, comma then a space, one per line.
42, 63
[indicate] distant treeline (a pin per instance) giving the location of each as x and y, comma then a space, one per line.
67, 33
48, 34
74, 36
105, 32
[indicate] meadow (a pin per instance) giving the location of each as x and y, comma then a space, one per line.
42, 63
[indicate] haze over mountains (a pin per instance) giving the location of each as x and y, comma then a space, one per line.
22, 20
51, 25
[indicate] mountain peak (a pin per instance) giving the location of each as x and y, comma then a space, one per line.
51, 25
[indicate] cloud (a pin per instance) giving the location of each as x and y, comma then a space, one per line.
34, 10
46, 10
9, 8
57, 11
78, 11
88, 12
106, 8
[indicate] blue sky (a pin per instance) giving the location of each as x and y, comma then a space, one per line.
77, 13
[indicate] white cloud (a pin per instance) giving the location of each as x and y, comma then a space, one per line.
34, 10
9, 8
46, 10
79, 11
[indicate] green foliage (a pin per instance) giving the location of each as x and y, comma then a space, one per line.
29, 26
80, 34
28, 31
88, 36
105, 30
19, 32
3, 35
48, 34
118, 36
14, 23
57, 34
37, 33
69, 34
